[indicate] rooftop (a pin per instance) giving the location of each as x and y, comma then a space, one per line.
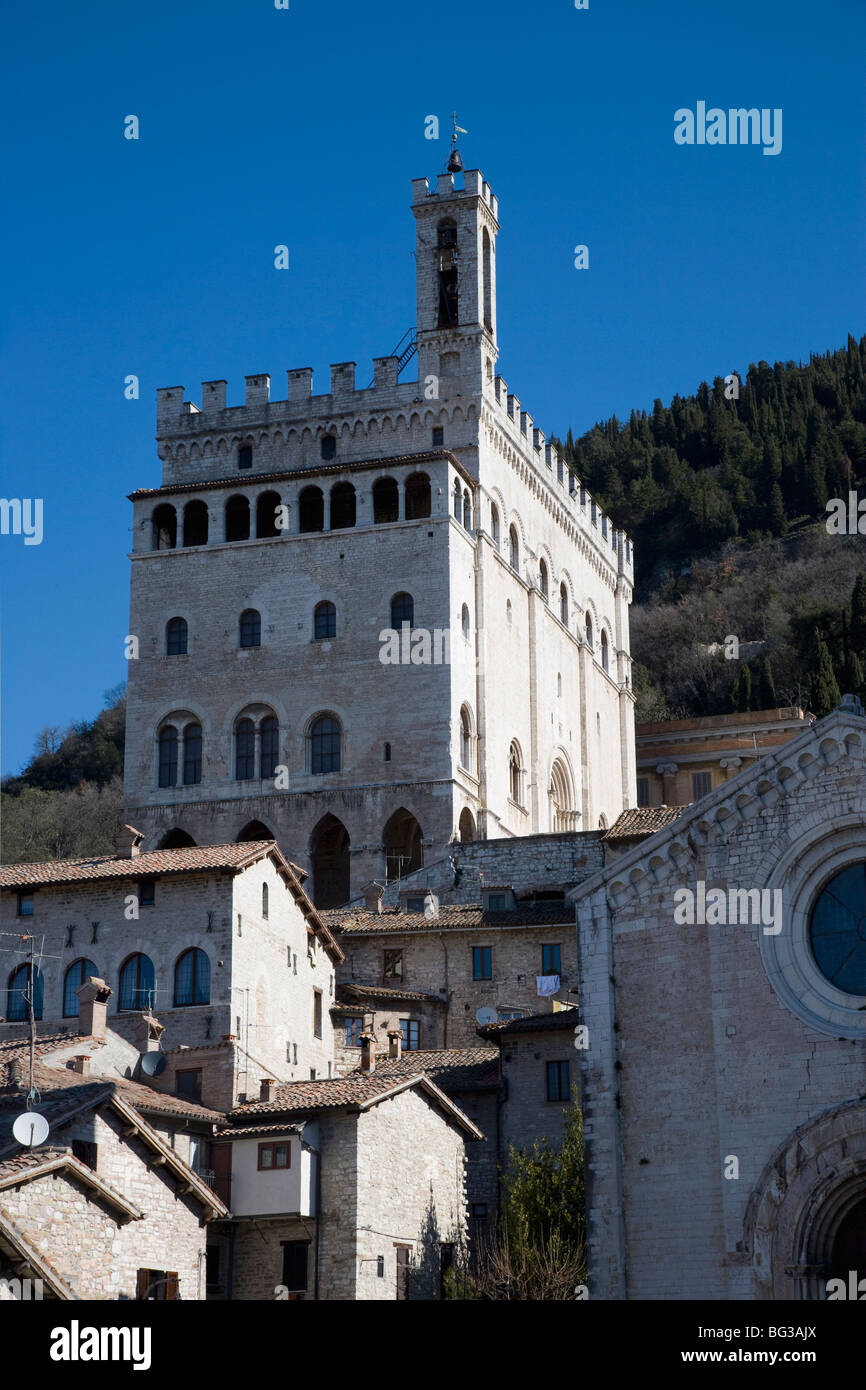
643, 820
458, 916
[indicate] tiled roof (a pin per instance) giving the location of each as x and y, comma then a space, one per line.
451, 916
192, 859
454, 1070
32, 1162
63, 1091
356, 1092
643, 820
250, 1131
353, 992
353, 466
563, 1020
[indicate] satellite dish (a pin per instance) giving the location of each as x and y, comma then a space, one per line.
153, 1063
30, 1129
485, 1015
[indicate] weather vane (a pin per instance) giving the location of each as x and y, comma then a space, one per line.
455, 163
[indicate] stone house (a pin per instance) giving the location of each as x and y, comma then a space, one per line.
348, 1189
431, 975
221, 941
115, 1205
723, 988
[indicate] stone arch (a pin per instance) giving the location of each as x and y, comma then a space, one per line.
812, 1184
402, 838
561, 795
254, 830
329, 857
466, 826
176, 838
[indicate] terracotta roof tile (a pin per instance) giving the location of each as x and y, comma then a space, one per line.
643, 820
563, 1020
350, 993
454, 1070
463, 916
193, 859
303, 1097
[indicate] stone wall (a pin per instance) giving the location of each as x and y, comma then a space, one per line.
712, 1043
95, 1249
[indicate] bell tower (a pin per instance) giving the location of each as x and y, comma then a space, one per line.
456, 229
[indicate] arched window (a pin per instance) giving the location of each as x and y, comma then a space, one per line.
238, 518
386, 501
265, 900
544, 581
446, 236
192, 979
417, 496
515, 773
494, 524
589, 638
458, 501
324, 621
195, 523
325, 745
403, 849
513, 549
487, 276
245, 750
563, 604
192, 746
464, 622
267, 505
176, 633
137, 984
562, 814
342, 506
78, 972
18, 994
466, 826
164, 527
402, 611
467, 510
168, 756
466, 740
604, 651
328, 447
250, 628
311, 509
270, 737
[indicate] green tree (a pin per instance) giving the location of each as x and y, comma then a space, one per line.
766, 686
824, 694
858, 615
741, 691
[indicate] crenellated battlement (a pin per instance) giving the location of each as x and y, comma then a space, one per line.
474, 186
517, 427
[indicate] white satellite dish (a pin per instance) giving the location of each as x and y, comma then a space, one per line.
30, 1129
485, 1015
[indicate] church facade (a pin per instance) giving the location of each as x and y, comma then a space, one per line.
722, 977
372, 621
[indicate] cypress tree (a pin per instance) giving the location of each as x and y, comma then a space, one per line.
740, 698
824, 694
852, 674
858, 615
766, 686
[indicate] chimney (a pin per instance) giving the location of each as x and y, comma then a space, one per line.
368, 1052
127, 842
81, 1064
395, 1044
147, 1033
267, 1089
93, 997
373, 896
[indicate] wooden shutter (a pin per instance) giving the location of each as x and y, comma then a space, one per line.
171, 1285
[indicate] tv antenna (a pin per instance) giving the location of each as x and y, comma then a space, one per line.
31, 1128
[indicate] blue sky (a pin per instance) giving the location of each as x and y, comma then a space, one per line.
261, 126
